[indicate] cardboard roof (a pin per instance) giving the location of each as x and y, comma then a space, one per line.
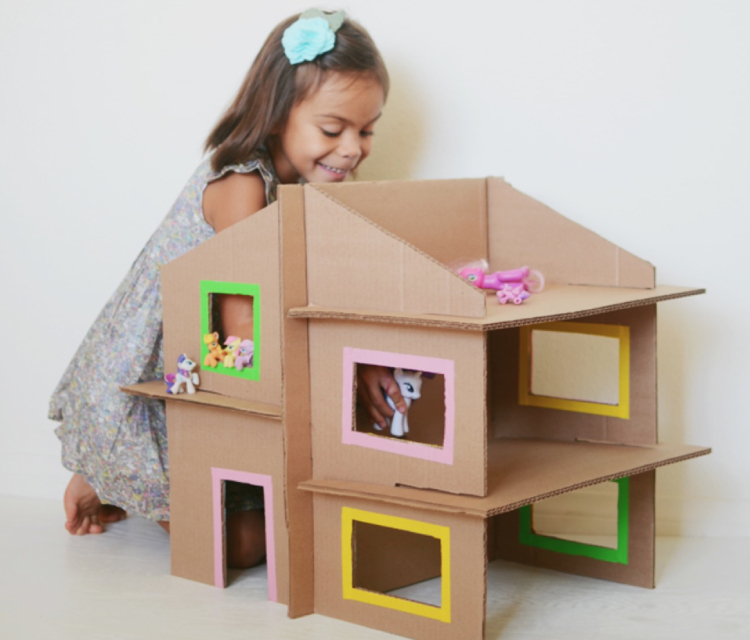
525, 471
555, 303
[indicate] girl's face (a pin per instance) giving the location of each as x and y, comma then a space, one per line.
328, 133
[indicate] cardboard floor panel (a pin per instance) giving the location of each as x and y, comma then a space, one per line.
556, 302
157, 389
526, 471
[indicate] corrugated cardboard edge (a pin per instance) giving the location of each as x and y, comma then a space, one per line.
470, 324
464, 297
156, 389
430, 500
296, 402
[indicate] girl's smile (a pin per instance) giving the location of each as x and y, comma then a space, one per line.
329, 133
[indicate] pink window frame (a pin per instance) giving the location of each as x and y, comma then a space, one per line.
446, 368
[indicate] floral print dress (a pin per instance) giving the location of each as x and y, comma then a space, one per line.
118, 442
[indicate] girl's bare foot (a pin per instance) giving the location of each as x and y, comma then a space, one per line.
84, 511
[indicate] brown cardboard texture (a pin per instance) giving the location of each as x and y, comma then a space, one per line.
509, 419
465, 583
335, 459
352, 262
349, 276
296, 401
229, 440
244, 253
564, 251
559, 303
639, 569
558, 467
446, 219
157, 389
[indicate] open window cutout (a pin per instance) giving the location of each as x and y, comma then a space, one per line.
588, 515
550, 526
427, 430
382, 555
238, 491
576, 366
425, 419
232, 355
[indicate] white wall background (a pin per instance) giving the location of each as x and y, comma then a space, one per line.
630, 117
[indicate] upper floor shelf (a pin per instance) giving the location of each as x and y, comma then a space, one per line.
556, 303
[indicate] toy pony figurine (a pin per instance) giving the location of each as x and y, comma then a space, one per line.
184, 376
215, 352
410, 385
514, 286
244, 356
232, 343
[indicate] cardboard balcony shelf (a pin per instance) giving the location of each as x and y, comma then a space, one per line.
518, 402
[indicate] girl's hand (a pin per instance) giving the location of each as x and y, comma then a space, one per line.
372, 380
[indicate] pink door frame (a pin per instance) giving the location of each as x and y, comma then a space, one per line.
217, 477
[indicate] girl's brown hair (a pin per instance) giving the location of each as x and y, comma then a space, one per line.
273, 86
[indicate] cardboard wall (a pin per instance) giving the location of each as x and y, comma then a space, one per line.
201, 438
504, 542
447, 219
352, 263
508, 419
467, 573
296, 400
523, 231
248, 252
334, 460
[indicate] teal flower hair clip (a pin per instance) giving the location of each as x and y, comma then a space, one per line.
313, 34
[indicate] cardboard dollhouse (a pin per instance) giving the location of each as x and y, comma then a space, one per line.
343, 275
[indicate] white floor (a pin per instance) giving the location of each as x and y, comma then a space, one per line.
117, 585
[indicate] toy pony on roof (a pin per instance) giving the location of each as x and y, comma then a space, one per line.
515, 285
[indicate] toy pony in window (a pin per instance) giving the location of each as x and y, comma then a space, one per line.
410, 385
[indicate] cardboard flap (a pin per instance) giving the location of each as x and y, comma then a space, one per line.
523, 231
353, 263
447, 219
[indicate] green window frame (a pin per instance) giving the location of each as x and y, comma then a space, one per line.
618, 555
211, 287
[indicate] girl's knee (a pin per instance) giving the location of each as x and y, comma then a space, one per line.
246, 539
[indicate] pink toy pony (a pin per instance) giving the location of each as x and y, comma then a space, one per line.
514, 286
185, 376
244, 356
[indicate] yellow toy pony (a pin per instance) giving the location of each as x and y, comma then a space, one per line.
215, 353
231, 344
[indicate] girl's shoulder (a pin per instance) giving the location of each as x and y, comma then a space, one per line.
238, 190
260, 162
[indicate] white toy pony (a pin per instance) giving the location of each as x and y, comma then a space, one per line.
184, 376
410, 385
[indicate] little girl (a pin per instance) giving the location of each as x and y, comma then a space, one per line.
305, 112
